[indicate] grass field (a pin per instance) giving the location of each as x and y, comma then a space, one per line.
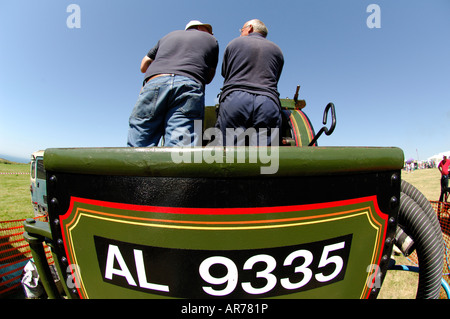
16, 204
427, 181
15, 196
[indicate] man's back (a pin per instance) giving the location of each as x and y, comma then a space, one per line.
253, 64
190, 53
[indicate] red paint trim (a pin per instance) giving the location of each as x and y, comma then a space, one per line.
221, 211
307, 125
226, 211
293, 125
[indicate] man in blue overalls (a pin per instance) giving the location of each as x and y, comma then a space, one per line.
251, 69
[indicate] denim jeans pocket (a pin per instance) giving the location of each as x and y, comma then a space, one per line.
192, 101
146, 104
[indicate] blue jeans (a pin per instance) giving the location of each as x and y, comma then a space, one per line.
167, 108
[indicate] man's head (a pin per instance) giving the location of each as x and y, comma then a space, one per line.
254, 25
195, 24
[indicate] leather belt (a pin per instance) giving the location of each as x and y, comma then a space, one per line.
158, 75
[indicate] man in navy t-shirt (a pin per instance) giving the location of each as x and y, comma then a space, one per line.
176, 72
251, 68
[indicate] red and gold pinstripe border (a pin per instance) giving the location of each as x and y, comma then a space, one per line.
307, 127
70, 220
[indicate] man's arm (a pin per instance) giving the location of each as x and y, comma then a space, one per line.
211, 74
145, 63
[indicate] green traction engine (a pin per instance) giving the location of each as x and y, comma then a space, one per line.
137, 223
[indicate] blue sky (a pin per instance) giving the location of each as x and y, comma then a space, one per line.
76, 87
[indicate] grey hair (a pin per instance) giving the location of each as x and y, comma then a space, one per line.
259, 26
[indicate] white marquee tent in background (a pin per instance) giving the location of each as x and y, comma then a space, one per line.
438, 157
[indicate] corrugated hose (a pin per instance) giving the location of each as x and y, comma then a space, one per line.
417, 219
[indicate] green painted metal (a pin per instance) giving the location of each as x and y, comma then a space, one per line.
302, 128
210, 117
36, 232
217, 235
91, 212
223, 161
